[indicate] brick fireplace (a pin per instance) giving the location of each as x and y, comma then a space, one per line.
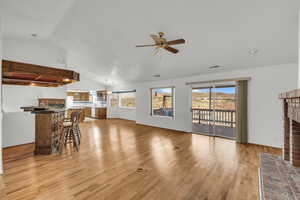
291, 120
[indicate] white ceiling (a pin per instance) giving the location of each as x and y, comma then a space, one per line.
100, 36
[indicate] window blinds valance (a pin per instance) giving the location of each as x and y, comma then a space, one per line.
219, 81
127, 91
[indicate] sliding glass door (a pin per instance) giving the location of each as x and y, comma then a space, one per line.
213, 111
201, 110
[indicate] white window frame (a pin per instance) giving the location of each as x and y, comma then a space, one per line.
173, 101
125, 107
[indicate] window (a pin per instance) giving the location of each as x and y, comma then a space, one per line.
114, 100
162, 103
127, 100
222, 97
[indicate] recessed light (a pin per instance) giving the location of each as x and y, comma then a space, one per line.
66, 80
253, 51
215, 67
156, 75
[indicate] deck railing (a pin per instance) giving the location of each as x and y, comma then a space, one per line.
210, 116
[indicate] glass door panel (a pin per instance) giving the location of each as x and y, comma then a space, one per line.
224, 111
201, 111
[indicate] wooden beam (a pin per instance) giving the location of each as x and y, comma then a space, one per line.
22, 73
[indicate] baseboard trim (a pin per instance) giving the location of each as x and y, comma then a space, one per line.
17, 152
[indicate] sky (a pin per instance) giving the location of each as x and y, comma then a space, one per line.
163, 90
228, 90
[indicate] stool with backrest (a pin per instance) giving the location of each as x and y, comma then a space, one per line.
72, 131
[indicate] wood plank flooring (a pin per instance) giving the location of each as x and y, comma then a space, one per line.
120, 160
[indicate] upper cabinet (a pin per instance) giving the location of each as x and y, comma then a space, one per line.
17, 73
79, 96
102, 96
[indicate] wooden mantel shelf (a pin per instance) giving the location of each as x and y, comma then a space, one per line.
18, 73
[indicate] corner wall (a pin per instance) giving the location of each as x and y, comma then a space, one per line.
299, 50
85, 84
264, 107
1, 168
122, 113
33, 51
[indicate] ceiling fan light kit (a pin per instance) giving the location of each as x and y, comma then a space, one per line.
162, 43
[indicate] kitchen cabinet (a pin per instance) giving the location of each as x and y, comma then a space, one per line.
88, 112
52, 103
79, 96
101, 113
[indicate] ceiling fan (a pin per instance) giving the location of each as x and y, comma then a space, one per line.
162, 43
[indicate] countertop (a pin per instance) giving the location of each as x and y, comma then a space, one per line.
42, 110
48, 111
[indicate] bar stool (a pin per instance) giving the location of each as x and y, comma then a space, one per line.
70, 133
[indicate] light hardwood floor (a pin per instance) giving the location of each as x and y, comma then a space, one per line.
175, 165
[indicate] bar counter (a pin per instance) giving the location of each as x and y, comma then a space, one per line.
47, 132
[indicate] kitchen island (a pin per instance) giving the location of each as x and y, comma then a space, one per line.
47, 131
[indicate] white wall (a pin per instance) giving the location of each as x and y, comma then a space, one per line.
79, 60
18, 127
265, 122
33, 51
15, 97
85, 84
122, 113
23, 131
1, 168
299, 51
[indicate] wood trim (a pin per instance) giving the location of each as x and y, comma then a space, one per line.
18, 73
17, 152
220, 80
162, 87
13, 66
220, 86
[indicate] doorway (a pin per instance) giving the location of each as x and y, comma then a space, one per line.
214, 110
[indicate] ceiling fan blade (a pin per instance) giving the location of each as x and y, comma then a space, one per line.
147, 45
155, 38
171, 49
156, 50
173, 42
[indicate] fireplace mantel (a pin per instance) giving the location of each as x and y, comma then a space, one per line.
291, 120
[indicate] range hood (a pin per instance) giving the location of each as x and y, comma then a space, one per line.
18, 73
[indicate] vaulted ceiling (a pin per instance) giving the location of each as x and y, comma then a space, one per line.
100, 35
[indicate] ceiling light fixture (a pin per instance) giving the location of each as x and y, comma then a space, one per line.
156, 75
34, 35
215, 67
66, 80
253, 52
